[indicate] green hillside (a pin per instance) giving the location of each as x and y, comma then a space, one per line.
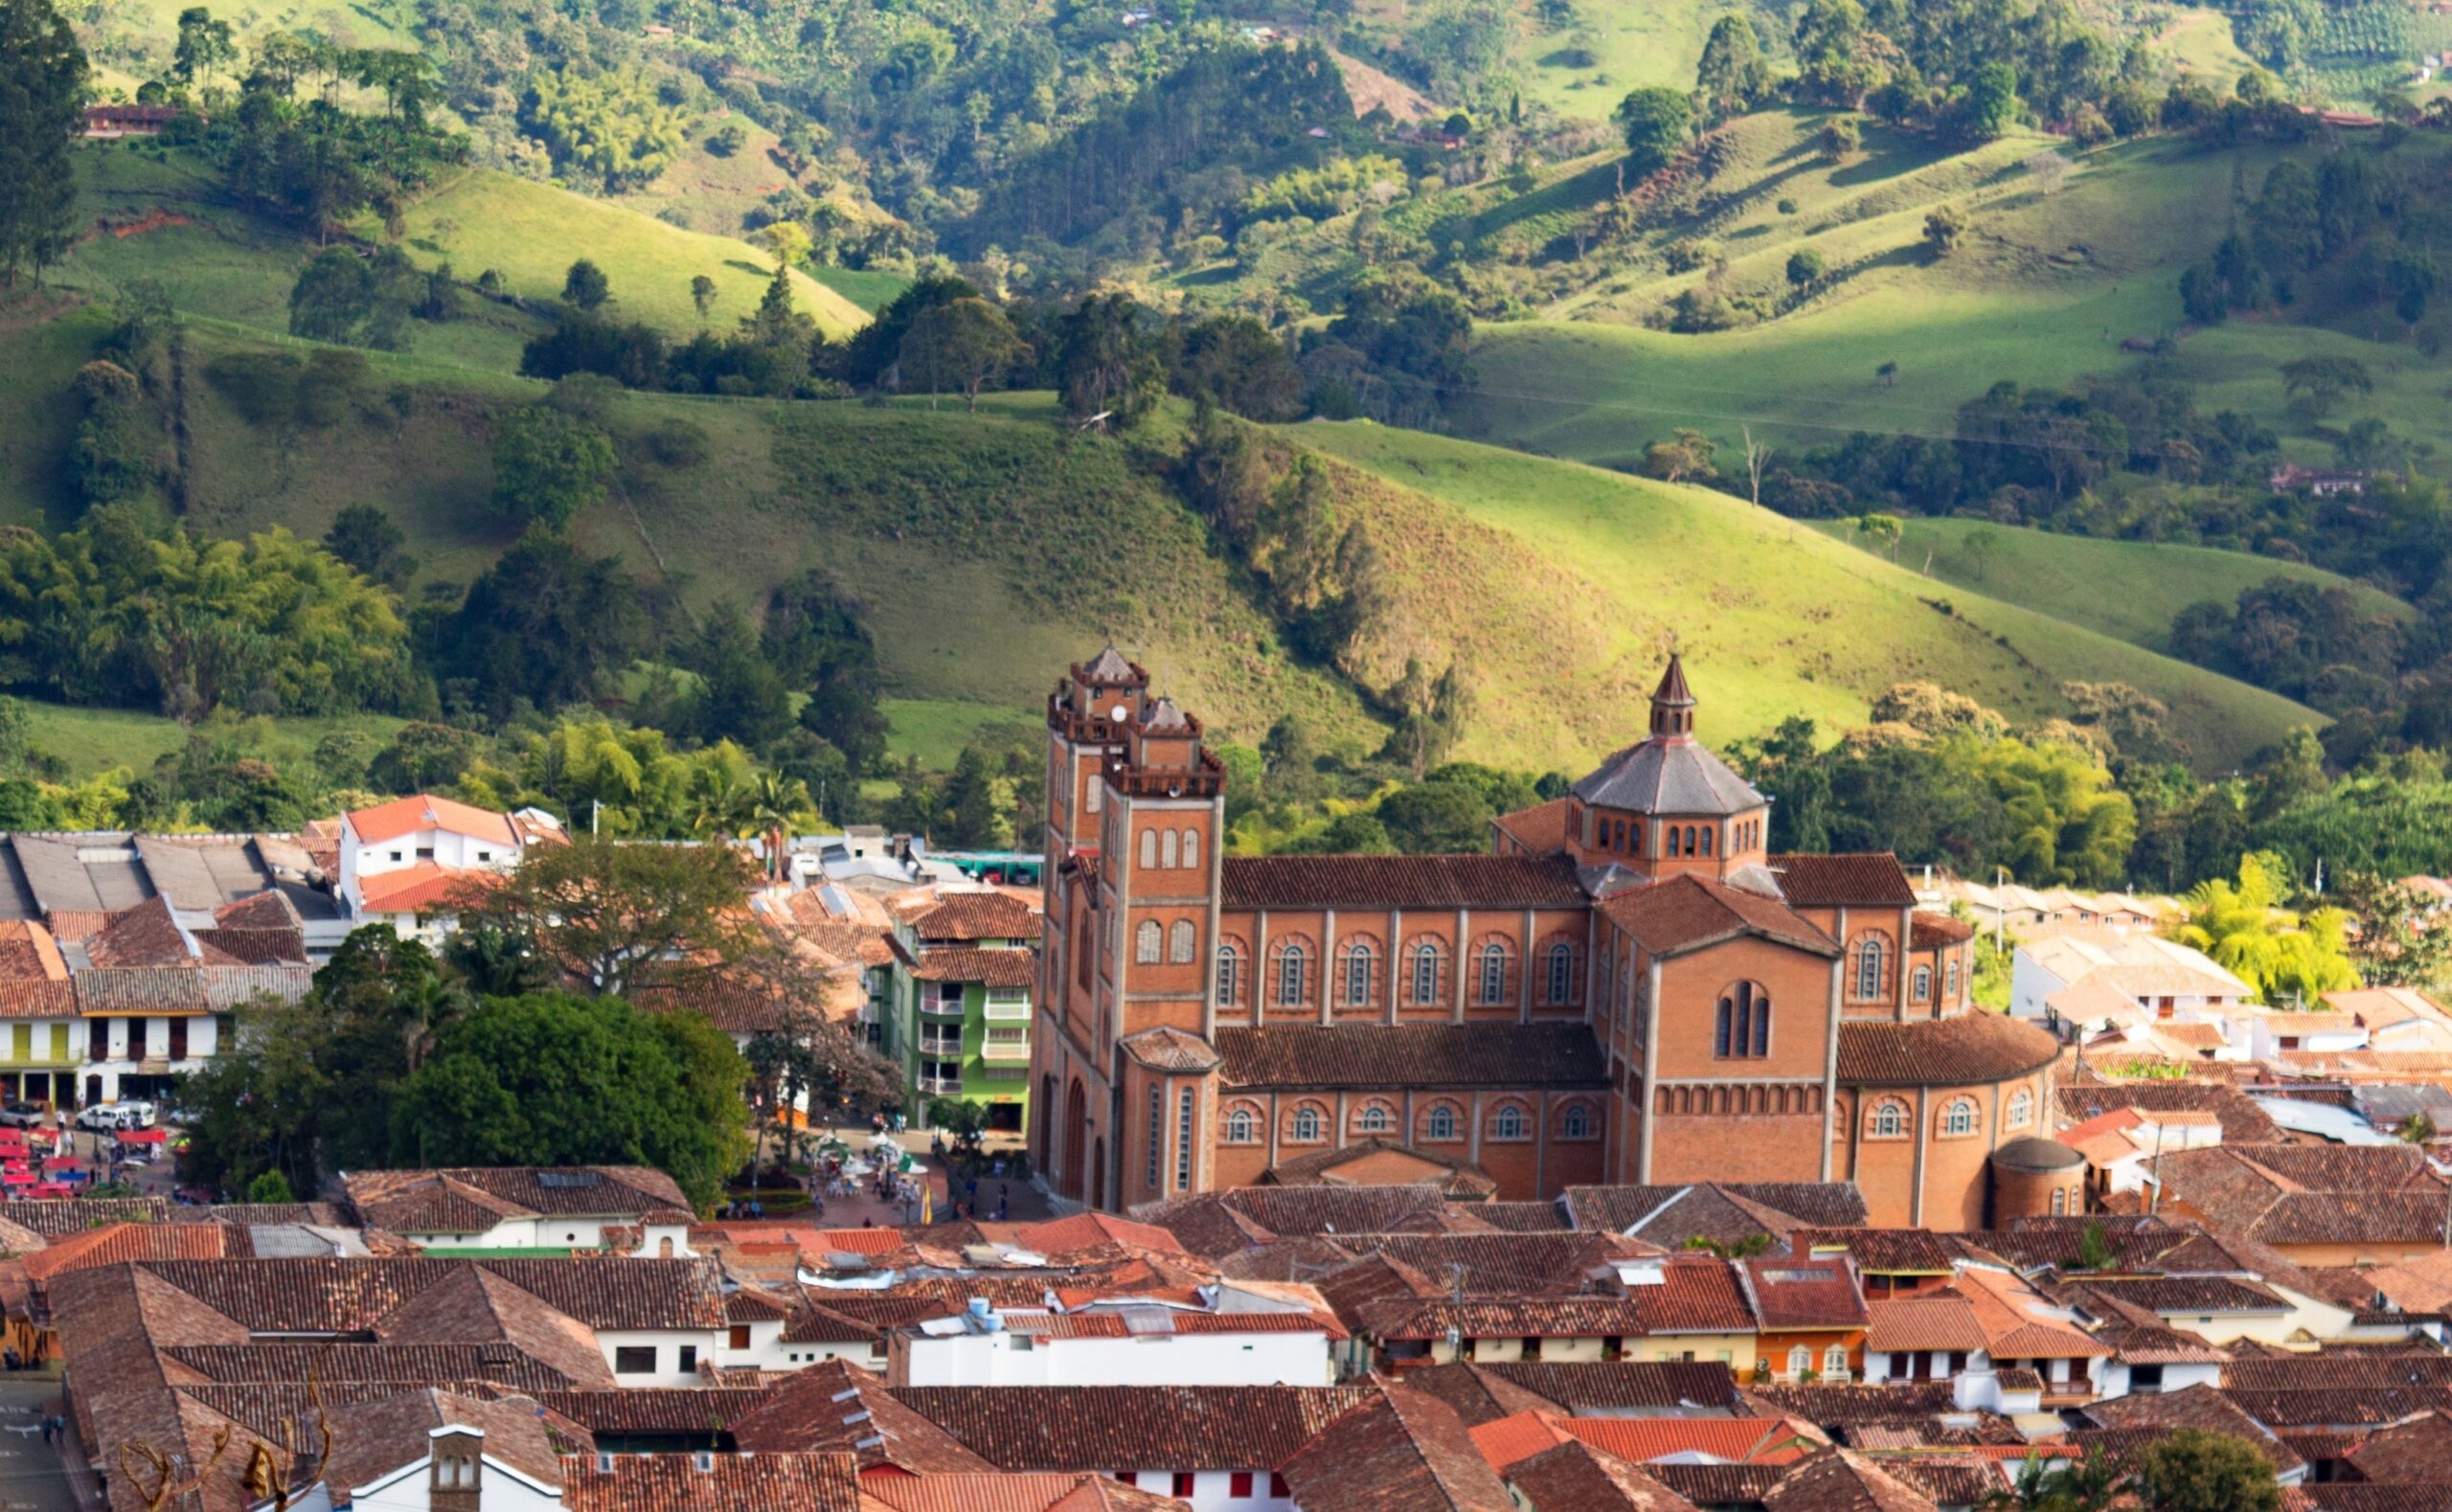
2129, 589
176, 229
2047, 285
1563, 586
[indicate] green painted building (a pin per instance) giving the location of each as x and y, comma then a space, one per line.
957, 1014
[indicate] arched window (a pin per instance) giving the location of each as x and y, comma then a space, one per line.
2021, 1108
1157, 1132
1800, 1359
1871, 965
1148, 849
1241, 1128
1191, 848
1508, 1123
1635, 837
1180, 943
1559, 980
1441, 1125
1949, 979
1148, 942
1306, 1125
1834, 1361
1293, 968
1494, 974
1166, 851
2059, 1201
1375, 1120
1708, 832
1576, 1123
1923, 980
1742, 1025
1889, 1120
1081, 952
1959, 1117
1426, 963
1230, 973
1358, 962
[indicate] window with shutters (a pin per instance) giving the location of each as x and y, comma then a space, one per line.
1184, 1105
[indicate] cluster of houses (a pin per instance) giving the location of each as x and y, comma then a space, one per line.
577, 1338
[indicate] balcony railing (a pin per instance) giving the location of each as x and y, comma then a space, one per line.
940, 1045
950, 1085
942, 1008
1004, 1049
1006, 1012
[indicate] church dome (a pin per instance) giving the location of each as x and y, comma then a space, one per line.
1667, 773
2033, 1153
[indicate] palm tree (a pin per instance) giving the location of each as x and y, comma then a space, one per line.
779, 804
2282, 953
721, 806
2083, 1486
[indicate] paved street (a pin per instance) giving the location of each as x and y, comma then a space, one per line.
32, 1478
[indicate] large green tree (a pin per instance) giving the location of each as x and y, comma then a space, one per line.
42, 91
549, 465
613, 917
1731, 76
2287, 956
2198, 1470
556, 1079
1658, 122
964, 344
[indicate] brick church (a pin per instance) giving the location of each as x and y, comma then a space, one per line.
1627, 989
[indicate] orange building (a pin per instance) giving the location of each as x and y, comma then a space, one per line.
1629, 988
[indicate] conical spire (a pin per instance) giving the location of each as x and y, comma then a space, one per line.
1109, 667
1672, 702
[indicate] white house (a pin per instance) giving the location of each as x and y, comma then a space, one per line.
2160, 977
427, 1450
2271, 1033
1138, 1343
635, 1208
400, 859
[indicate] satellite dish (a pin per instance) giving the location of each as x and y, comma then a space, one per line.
1120, 713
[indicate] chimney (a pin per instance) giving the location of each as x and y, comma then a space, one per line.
456, 1468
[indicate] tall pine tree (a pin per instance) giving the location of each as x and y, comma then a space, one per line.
42, 95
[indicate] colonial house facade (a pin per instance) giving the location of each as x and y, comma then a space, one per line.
1629, 988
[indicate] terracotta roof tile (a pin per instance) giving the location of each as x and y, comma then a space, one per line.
453, 1366
1858, 879
994, 969
407, 816
977, 915
1541, 829
1972, 1047
1803, 1293
1077, 1492
810, 1483
1523, 1056
1399, 1450
1932, 931
2194, 1406
1688, 911
1126, 1428
1843, 1481
1672, 1215
1402, 881
1576, 1476
1589, 1389
835, 1405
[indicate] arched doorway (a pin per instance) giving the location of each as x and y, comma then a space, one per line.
1077, 1117
1098, 1172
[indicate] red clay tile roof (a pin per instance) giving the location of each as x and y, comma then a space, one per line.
2338, 1407
1931, 931
810, 1482
1972, 1047
256, 947
977, 916
1727, 1212
1399, 1450
267, 910
1719, 1485
1688, 911
838, 1406
1407, 1317
1456, 1177
1541, 829
406, 816
2332, 1372
1922, 1325
455, 1367
1131, 1428
147, 935
1419, 1055
1857, 879
1803, 1293
1695, 1295
1843, 1481
994, 969
657, 1410
1895, 1251
1401, 882
119, 1242
2194, 1407
1612, 1388
1576, 1476
1073, 1491
2403, 1454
